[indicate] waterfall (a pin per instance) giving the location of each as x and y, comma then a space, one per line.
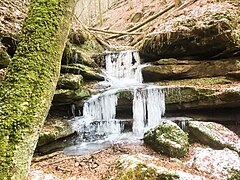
123, 65
122, 73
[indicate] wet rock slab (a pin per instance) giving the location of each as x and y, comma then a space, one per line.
173, 69
214, 135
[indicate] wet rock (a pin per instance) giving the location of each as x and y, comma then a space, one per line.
168, 139
221, 164
135, 167
183, 69
215, 135
87, 72
208, 31
69, 81
54, 129
66, 96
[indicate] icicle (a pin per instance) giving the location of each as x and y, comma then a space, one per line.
148, 108
101, 107
155, 106
139, 111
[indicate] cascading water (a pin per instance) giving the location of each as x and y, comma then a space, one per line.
123, 73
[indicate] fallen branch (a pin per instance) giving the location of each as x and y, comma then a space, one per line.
116, 32
41, 158
190, 2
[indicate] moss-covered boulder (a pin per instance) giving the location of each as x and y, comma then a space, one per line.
168, 139
203, 31
54, 129
69, 81
215, 135
137, 167
168, 69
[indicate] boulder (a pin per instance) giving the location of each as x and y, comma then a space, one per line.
221, 164
69, 81
168, 139
137, 167
206, 31
214, 135
183, 69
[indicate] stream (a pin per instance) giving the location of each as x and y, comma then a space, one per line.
100, 125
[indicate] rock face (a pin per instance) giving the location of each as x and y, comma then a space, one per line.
215, 135
169, 69
210, 31
167, 139
221, 164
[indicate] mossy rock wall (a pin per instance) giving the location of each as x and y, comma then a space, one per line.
31, 79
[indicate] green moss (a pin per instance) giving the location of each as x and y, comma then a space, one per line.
139, 172
235, 175
199, 81
30, 82
187, 94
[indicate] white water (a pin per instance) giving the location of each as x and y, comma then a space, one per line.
123, 72
123, 65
